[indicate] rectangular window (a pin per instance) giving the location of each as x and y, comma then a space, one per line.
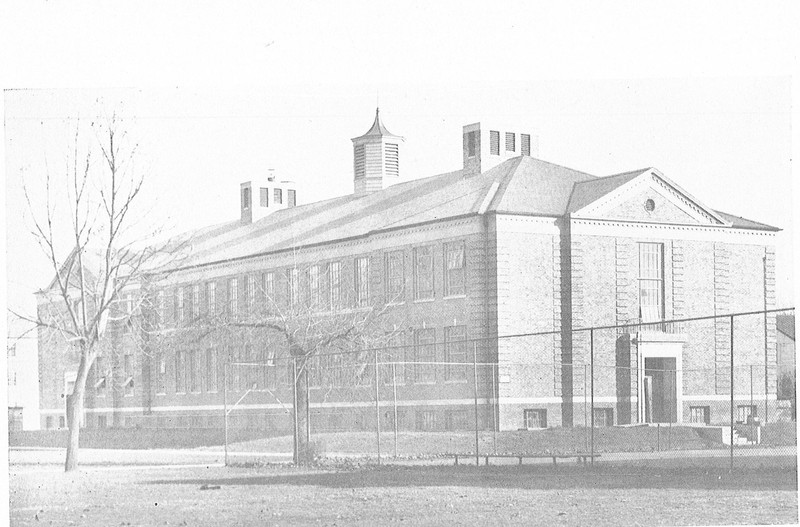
395, 276
102, 421
246, 198
211, 370
101, 380
455, 351
291, 197
651, 282
423, 273
251, 293
128, 368
362, 281
426, 420
700, 414
192, 369
745, 413
264, 196
62, 421
395, 354
535, 418
425, 351
180, 372
269, 288
278, 196
293, 285
161, 311
233, 297
161, 373
494, 143
458, 420
334, 277
315, 299
211, 299
49, 422
525, 144
472, 144
454, 275
511, 142
603, 417
180, 315
196, 301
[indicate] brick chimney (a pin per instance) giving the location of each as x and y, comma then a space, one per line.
486, 146
262, 197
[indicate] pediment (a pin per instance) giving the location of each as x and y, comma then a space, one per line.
650, 197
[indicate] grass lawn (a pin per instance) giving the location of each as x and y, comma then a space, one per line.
465, 495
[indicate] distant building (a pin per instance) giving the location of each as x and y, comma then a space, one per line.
23, 384
507, 244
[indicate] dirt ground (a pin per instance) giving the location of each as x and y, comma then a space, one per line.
465, 495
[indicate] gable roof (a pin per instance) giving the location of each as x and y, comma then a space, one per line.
744, 223
520, 185
591, 190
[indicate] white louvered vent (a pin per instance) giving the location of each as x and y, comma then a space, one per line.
494, 142
392, 160
511, 143
359, 161
525, 144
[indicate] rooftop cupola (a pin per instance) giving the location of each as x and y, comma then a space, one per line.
376, 157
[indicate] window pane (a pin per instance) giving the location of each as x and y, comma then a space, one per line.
395, 276
455, 353
425, 348
423, 273
362, 282
454, 269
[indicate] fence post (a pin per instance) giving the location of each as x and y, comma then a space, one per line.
394, 404
475, 383
495, 368
307, 373
585, 406
731, 464
591, 383
225, 406
377, 409
296, 444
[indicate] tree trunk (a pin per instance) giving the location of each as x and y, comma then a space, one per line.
303, 453
75, 411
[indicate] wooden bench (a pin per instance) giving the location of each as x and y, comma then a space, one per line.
581, 457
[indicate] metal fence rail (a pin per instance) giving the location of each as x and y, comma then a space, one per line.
696, 392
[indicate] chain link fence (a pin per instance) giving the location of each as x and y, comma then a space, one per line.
699, 393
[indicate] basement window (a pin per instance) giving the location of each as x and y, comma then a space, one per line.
535, 418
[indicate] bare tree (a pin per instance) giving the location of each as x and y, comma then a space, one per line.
299, 320
95, 224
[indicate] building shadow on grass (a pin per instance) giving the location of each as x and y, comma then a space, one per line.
519, 477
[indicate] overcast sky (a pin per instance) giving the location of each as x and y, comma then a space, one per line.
217, 96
